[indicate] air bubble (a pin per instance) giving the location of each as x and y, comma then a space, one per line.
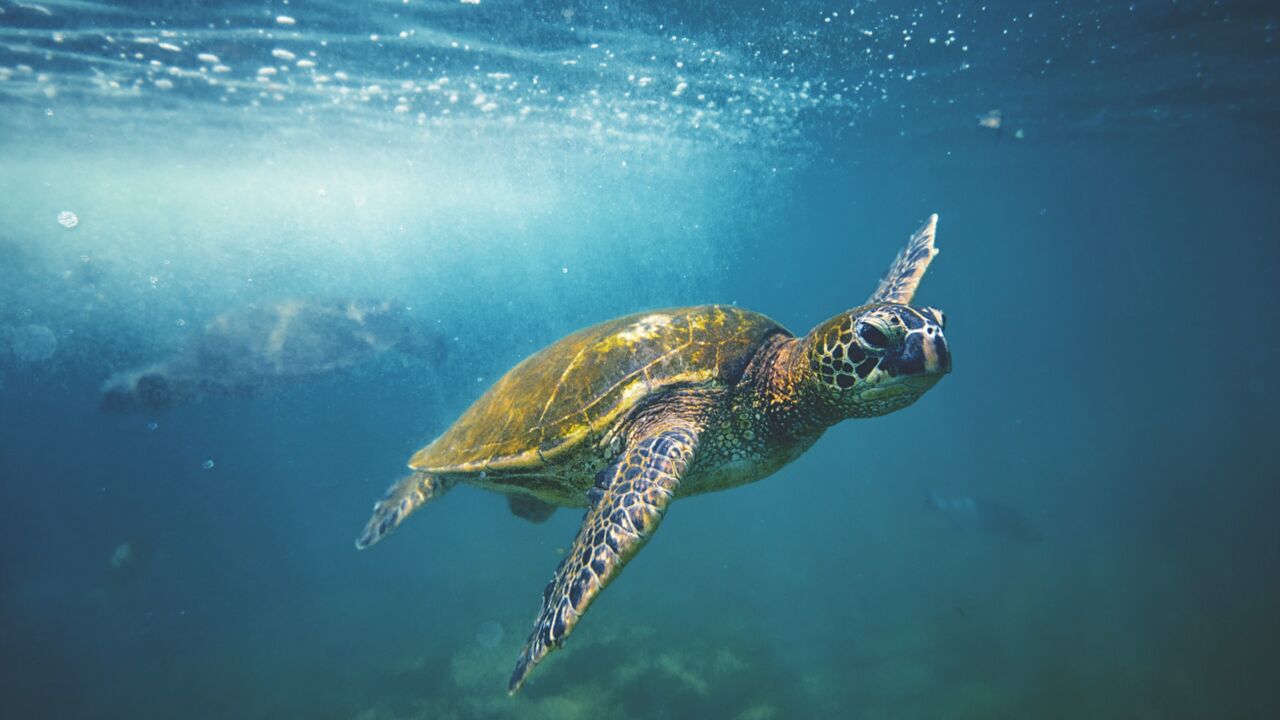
68, 219
32, 343
208, 465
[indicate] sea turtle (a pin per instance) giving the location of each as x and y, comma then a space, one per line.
623, 417
244, 349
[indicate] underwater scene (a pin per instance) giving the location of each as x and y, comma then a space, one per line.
349, 350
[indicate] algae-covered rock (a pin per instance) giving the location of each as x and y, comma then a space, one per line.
480, 668
726, 662
679, 671
758, 711
623, 672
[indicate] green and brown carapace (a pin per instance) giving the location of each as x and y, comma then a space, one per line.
624, 417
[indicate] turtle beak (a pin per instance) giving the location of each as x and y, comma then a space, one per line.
937, 357
925, 352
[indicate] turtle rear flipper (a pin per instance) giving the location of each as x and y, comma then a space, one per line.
400, 500
531, 509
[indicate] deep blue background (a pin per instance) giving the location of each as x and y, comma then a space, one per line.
1109, 283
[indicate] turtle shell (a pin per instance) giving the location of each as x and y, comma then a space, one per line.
576, 388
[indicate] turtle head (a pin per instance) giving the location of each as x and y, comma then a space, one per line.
884, 355
875, 359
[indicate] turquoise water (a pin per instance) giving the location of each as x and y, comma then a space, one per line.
514, 171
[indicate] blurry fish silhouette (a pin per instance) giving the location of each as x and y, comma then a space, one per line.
991, 119
243, 350
987, 516
120, 586
127, 561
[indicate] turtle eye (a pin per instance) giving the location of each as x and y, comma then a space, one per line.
872, 336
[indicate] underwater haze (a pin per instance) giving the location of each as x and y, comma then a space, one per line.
1079, 521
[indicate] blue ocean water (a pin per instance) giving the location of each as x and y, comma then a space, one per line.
1079, 521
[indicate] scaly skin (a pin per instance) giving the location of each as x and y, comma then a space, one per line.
629, 501
630, 415
779, 408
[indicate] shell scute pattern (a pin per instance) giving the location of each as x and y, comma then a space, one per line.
575, 389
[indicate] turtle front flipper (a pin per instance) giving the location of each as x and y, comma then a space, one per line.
400, 500
903, 276
627, 504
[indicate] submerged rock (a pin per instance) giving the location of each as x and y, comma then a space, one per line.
612, 674
758, 711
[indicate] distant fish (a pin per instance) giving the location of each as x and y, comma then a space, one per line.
243, 350
126, 562
121, 556
990, 517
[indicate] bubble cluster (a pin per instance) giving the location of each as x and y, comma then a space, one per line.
604, 74
68, 219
